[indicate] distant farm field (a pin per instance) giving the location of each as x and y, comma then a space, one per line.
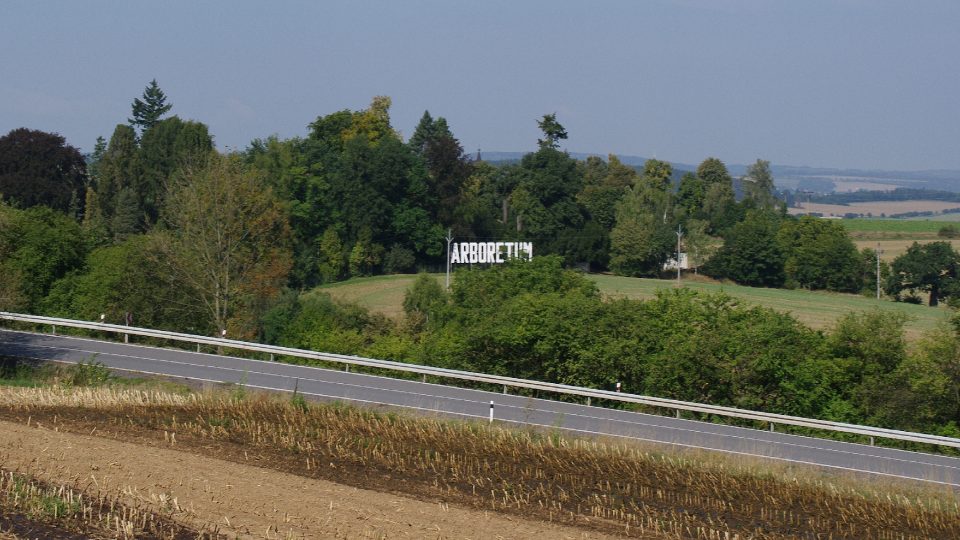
846, 185
819, 310
891, 249
952, 217
902, 226
875, 208
894, 236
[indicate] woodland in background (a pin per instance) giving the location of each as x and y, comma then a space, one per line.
158, 227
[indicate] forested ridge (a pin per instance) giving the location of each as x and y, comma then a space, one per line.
159, 227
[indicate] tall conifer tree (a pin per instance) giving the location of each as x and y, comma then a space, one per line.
147, 112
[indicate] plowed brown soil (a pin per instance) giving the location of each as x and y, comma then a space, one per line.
248, 501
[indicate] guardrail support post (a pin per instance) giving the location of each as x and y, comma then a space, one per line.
504, 389
678, 413
771, 426
346, 368
424, 377
588, 401
198, 347
271, 357
871, 441
126, 338
54, 329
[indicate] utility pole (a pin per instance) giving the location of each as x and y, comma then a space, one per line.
679, 236
449, 239
879, 251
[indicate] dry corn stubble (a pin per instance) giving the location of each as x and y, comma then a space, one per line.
610, 487
33, 508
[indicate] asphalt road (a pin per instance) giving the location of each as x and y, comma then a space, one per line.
433, 398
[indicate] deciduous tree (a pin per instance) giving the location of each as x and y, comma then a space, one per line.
331, 256
713, 171
930, 268
642, 239
750, 254
126, 278
719, 200
691, 194
657, 174
698, 244
39, 168
758, 185
37, 247
228, 241
819, 255
553, 132
424, 299
372, 123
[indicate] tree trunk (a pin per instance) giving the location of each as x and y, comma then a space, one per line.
934, 296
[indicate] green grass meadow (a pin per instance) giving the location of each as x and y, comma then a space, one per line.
819, 310
897, 226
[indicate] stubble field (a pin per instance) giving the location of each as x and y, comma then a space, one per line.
255, 467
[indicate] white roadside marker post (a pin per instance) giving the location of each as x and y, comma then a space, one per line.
491, 412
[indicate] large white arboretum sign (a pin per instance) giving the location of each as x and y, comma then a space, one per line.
489, 252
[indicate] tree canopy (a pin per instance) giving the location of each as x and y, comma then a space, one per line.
750, 254
819, 255
228, 241
930, 268
147, 111
759, 185
553, 131
39, 168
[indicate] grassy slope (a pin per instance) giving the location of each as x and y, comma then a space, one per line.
383, 294
820, 310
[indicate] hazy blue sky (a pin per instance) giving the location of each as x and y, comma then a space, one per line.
843, 83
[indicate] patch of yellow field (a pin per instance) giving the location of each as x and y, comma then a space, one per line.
891, 249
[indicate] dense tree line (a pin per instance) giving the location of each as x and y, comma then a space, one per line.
158, 225
359, 200
773, 250
356, 199
154, 225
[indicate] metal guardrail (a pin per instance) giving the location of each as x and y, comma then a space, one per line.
731, 412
